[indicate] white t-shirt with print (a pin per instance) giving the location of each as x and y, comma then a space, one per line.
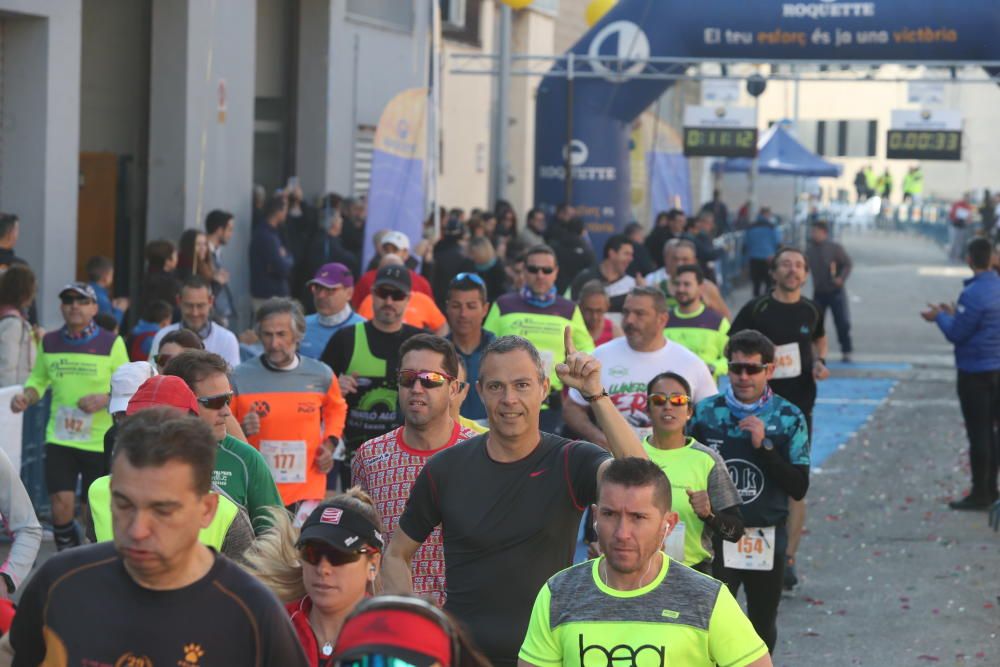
625, 374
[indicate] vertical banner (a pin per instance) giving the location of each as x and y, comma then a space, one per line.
396, 198
669, 182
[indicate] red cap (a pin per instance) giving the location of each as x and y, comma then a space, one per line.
397, 632
163, 391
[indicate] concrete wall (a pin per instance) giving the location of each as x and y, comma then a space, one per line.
198, 160
40, 132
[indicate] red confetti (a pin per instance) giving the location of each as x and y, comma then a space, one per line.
832, 517
929, 658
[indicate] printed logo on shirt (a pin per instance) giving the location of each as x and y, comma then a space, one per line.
262, 408
193, 653
804, 330
748, 478
617, 371
622, 655
331, 515
132, 660
306, 408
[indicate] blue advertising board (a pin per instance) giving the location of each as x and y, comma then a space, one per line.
588, 119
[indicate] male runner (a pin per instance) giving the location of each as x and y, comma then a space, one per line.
240, 470
76, 362
196, 301
634, 605
386, 467
795, 325
539, 314
289, 405
509, 501
154, 596
365, 359
765, 443
694, 325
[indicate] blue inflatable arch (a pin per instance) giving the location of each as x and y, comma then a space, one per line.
583, 125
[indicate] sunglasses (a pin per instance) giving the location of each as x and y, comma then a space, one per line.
547, 270
659, 400
428, 379
69, 300
471, 277
216, 402
739, 368
314, 552
390, 294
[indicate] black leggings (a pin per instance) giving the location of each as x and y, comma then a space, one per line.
763, 589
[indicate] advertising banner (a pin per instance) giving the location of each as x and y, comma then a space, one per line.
396, 196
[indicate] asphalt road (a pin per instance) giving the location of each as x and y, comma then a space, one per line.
889, 575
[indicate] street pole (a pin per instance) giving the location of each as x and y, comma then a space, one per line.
756, 84
501, 110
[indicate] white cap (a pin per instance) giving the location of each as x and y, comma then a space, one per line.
396, 238
125, 381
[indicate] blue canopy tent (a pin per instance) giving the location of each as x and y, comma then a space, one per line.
780, 154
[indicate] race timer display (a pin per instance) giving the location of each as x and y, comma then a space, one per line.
924, 145
720, 142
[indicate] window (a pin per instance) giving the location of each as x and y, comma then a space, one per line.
364, 149
453, 14
460, 20
392, 13
839, 138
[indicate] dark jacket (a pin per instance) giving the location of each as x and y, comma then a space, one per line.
270, 264
449, 260
495, 278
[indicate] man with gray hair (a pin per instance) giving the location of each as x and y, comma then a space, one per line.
290, 406
509, 501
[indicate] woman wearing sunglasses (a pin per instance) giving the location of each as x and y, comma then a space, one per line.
704, 496
323, 572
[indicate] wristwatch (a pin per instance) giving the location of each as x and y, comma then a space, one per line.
767, 445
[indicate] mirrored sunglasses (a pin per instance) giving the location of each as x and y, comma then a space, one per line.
659, 400
428, 379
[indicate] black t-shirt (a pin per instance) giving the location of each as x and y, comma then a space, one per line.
94, 613
507, 528
787, 324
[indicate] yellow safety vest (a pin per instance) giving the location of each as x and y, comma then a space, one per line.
99, 495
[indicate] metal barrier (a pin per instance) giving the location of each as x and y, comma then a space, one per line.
730, 269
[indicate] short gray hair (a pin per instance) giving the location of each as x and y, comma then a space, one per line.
654, 293
507, 344
281, 305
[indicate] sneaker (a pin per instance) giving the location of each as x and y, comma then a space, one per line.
969, 503
791, 580
846, 358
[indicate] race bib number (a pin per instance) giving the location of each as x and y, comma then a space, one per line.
73, 423
674, 544
787, 361
286, 459
754, 551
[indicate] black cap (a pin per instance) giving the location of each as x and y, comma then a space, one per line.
341, 527
394, 275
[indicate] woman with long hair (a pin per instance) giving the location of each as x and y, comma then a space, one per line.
194, 257
17, 341
323, 572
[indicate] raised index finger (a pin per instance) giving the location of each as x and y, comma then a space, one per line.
568, 341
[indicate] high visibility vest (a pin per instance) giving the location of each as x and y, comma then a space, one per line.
913, 183
99, 496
